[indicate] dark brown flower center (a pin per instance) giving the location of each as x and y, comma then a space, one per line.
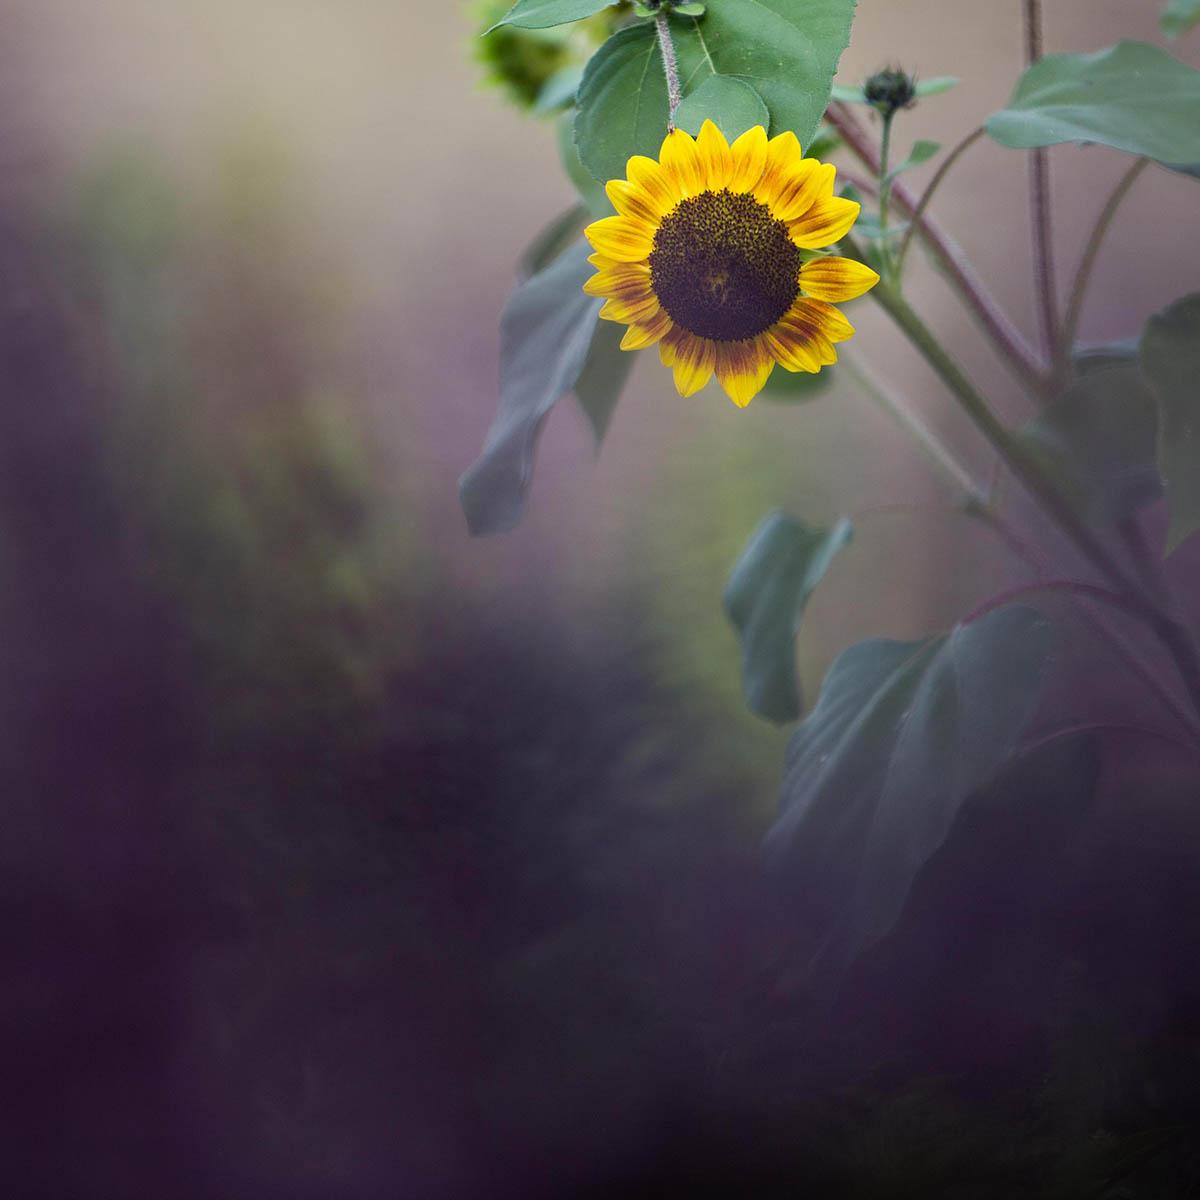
723, 267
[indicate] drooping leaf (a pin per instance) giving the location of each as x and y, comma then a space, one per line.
603, 378
797, 387
787, 50
1179, 17
765, 600
921, 152
545, 336
731, 104
1171, 361
1132, 97
1098, 437
550, 241
542, 14
902, 734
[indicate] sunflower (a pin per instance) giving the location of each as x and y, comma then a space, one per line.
707, 258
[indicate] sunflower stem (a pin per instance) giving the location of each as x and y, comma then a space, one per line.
1087, 264
670, 67
1014, 350
1171, 632
1045, 282
885, 191
927, 195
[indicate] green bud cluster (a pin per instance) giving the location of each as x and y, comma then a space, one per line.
890, 90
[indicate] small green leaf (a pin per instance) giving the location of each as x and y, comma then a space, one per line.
1171, 361
559, 90
787, 50
936, 85
546, 334
1180, 16
765, 600
846, 94
542, 14
921, 152
1097, 439
603, 377
1132, 97
902, 734
731, 104
551, 241
825, 141
691, 9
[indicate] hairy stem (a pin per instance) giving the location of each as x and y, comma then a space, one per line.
885, 189
1083, 277
1007, 338
670, 67
1045, 283
919, 212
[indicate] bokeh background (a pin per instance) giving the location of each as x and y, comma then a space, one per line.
346, 855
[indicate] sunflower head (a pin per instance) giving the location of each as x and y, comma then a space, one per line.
710, 257
890, 90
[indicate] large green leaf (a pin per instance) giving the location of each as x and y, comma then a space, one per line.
731, 104
1171, 361
787, 50
902, 734
541, 14
1132, 97
550, 241
765, 600
1180, 16
603, 378
1098, 437
546, 332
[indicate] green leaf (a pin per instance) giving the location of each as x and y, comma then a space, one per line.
692, 8
1132, 97
603, 377
902, 734
1171, 361
921, 152
590, 191
923, 87
545, 337
559, 90
1097, 439
787, 50
551, 241
1180, 16
541, 14
765, 600
731, 104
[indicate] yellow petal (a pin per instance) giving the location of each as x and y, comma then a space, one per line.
749, 158
798, 347
783, 157
621, 238
631, 311
621, 281
693, 359
743, 368
714, 157
646, 174
678, 159
812, 182
647, 332
825, 223
632, 201
836, 279
823, 316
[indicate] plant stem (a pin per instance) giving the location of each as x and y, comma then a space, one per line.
1083, 277
670, 67
927, 195
1045, 283
885, 190
1014, 349
1170, 631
